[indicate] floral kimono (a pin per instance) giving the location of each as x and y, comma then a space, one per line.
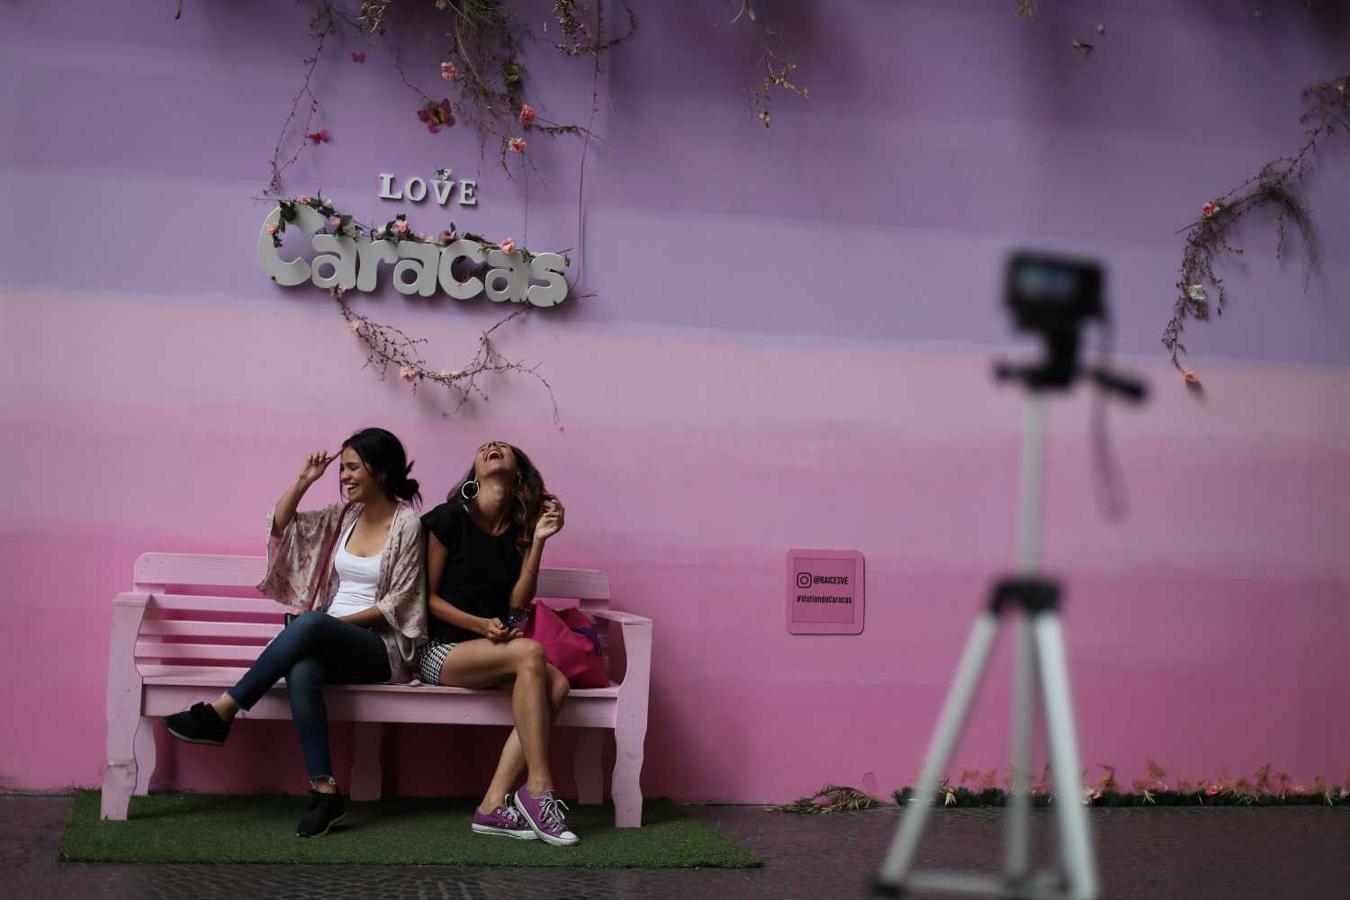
300, 573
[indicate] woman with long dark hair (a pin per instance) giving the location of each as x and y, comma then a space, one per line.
358, 568
484, 547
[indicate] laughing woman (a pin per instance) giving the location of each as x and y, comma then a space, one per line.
484, 546
358, 570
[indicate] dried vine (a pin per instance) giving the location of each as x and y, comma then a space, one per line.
321, 25
388, 346
775, 71
1276, 186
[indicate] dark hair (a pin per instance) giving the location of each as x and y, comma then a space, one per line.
529, 497
384, 456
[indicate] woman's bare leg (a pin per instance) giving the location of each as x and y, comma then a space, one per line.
482, 663
511, 765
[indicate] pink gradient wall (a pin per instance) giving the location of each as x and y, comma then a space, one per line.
789, 346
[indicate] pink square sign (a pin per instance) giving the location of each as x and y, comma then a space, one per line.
825, 592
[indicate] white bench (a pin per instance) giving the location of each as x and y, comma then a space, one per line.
174, 644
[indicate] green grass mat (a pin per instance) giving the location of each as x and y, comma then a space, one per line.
206, 828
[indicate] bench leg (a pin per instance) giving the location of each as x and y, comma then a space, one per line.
119, 774
586, 768
366, 775
145, 755
626, 789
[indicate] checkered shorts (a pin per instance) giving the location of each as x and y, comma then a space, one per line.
430, 657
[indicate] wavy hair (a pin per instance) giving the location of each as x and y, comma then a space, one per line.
527, 497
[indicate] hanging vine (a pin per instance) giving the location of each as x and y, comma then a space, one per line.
1276, 188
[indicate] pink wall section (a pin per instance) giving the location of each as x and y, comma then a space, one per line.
788, 345
1203, 632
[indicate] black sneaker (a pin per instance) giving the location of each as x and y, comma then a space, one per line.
325, 811
199, 725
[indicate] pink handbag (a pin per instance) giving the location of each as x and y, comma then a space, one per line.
570, 645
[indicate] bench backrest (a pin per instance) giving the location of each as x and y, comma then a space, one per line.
189, 623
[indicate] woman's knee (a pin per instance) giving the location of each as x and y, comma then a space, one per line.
528, 655
306, 625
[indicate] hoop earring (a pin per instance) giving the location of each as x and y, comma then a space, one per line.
464, 489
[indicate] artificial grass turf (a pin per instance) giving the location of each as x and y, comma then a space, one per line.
207, 828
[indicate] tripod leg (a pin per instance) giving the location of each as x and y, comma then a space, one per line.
915, 815
1017, 852
1074, 838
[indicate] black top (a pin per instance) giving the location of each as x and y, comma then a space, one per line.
480, 570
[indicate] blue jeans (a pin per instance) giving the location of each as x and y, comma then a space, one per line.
314, 650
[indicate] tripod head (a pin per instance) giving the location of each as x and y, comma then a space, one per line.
1055, 297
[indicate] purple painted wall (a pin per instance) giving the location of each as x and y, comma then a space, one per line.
789, 347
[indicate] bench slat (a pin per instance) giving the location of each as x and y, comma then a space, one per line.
194, 603
168, 650
196, 570
184, 628
226, 676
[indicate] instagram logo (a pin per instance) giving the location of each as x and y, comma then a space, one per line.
803, 580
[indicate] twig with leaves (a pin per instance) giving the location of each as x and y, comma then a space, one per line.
387, 346
1276, 186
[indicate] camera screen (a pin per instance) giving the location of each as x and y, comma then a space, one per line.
1040, 283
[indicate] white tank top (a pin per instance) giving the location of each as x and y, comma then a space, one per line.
357, 576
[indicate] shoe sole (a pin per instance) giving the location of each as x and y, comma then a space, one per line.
325, 828
193, 740
550, 839
507, 832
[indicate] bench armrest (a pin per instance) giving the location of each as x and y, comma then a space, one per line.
637, 651
132, 599
615, 615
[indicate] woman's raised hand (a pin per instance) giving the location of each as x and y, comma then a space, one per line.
551, 520
315, 464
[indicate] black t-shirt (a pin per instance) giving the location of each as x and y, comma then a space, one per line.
480, 570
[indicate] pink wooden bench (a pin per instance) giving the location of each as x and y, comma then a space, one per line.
173, 644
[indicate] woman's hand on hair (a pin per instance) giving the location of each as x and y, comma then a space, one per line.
315, 465
551, 520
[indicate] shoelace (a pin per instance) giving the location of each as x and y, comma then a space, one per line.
509, 812
551, 810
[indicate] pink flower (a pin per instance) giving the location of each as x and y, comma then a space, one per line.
353, 326
448, 237
508, 245
442, 4
516, 144
319, 137
401, 227
335, 222
448, 71
1300, 789
407, 373
436, 115
272, 229
1213, 790
358, 56
1189, 376
1209, 210
527, 115
303, 199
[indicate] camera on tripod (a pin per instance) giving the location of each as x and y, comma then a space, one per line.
1054, 297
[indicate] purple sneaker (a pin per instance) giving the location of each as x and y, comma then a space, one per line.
503, 820
544, 815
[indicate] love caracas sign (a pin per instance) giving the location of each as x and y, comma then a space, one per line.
349, 258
